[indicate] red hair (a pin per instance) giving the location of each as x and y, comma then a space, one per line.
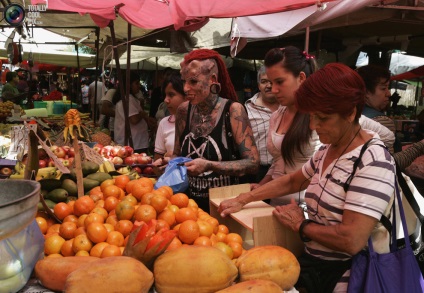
227, 88
335, 88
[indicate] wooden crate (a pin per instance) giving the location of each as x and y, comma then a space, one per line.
255, 222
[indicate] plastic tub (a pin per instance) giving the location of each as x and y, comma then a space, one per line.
40, 104
58, 108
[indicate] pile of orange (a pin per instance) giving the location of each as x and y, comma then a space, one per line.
99, 223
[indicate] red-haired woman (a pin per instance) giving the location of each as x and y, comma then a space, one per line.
339, 221
212, 128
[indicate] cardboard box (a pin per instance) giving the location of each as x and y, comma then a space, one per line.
255, 222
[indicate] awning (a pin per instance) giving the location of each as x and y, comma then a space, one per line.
415, 74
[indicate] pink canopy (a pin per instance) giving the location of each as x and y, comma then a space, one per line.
417, 73
154, 14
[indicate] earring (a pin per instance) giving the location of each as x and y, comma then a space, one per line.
215, 88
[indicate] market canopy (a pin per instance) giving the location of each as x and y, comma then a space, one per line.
415, 74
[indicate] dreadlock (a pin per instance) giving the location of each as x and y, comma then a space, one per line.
227, 88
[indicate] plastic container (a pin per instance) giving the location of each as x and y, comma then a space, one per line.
40, 104
58, 108
19, 254
49, 107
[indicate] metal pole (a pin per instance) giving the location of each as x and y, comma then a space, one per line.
128, 134
97, 75
307, 40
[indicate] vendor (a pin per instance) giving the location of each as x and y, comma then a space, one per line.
10, 90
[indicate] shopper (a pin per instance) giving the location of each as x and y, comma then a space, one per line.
339, 222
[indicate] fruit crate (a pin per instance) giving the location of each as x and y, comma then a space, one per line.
255, 222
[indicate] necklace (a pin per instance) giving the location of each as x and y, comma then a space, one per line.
329, 174
207, 117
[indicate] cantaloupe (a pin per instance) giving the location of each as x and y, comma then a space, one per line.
253, 286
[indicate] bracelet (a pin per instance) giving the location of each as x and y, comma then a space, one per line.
302, 226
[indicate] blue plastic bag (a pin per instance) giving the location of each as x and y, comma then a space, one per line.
175, 175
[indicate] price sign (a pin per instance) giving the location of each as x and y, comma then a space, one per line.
19, 141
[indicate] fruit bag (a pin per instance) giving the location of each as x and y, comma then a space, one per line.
175, 175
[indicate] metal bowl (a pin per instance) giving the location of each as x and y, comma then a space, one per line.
18, 205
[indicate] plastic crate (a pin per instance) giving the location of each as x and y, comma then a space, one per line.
40, 104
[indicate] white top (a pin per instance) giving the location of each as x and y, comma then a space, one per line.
139, 131
165, 136
91, 91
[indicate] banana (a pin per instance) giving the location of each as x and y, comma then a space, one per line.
19, 167
17, 176
124, 170
101, 168
108, 166
47, 173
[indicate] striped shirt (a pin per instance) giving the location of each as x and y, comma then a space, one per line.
259, 120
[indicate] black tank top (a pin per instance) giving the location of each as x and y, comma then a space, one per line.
213, 147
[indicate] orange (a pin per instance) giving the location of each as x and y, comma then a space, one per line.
220, 237
175, 243
67, 230
192, 204
203, 240
81, 220
109, 227
96, 197
101, 211
111, 250
131, 199
97, 232
223, 229
79, 231
42, 224
70, 218
122, 180
168, 216
98, 248
54, 255
173, 208
144, 181
237, 249
124, 226
233, 237
188, 231
47, 235
100, 203
111, 203
112, 219
95, 190
214, 222
106, 183
93, 218
162, 224
205, 228
71, 203
112, 190
146, 198
168, 190
115, 238
66, 249
53, 228
139, 190
130, 185
83, 205
53, 244
61, 210
180, 200
81, 242
124, 210
159, 202
225, 249
82, 253
145, 213
184, 214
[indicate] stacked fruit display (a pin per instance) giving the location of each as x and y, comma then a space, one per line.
6, 110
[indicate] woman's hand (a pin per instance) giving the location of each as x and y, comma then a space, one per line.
229, 206
197, 167
290, 215
253, 186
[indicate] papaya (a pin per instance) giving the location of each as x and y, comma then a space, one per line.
57, 195
70, 186
49, 203
110, 274
99, 176
193, 269
89, 168
253, 286
269, 262
89, 184
50, 184
53, 271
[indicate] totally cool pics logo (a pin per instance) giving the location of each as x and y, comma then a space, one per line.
15, 14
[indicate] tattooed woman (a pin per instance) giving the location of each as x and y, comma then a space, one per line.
211, 128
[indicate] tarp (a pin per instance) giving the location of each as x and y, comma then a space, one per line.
189, 14
415, 74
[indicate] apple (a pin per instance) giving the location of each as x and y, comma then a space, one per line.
98, 147
59, 152
42, 154
106, 151
122, 152
6, 171
65, 162
42, 163
51, 163
66, 148
115, 150
148, 170
130, 160
53, 148
138, 169
71, 161
117, 161
129, 150
71, 152
143, 160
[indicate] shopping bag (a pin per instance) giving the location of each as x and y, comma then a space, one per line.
175, 175
396, 271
